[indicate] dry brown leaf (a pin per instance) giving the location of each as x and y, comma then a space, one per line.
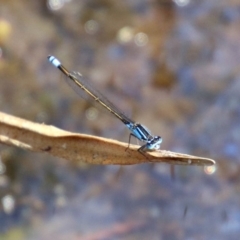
81, 147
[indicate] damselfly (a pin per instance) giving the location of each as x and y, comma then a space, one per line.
137, 130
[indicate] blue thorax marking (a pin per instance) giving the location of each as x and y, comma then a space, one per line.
139, 131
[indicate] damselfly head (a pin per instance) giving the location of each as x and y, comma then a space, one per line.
154, 143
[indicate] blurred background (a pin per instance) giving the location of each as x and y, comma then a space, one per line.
172, 65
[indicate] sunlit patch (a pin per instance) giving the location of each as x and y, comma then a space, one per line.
182, 3
141, 39
55, 5
8, 203
91, 26
125, 34
5, 30
91, 113
210, 169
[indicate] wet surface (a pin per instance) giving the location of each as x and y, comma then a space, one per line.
171, 65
